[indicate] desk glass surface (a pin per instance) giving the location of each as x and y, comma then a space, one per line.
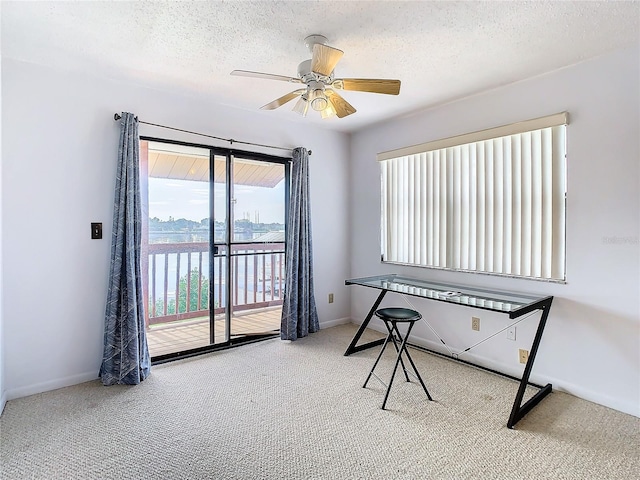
496, 300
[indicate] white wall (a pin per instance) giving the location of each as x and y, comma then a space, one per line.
591, 346
59, 158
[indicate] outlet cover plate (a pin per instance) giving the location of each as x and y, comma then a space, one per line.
523, 355
475, 324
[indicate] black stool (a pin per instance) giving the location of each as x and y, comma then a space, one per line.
391, 317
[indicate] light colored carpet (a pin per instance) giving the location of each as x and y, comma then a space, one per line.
280, 410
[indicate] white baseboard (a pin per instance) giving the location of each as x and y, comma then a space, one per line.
558, 384
19, 392
630, 408
333, 323
3, 402
595, 397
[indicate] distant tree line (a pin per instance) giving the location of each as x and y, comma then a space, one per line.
179, 225
183, 225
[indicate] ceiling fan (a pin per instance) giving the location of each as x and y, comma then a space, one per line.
317, 74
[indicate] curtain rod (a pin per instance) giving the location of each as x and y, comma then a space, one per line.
117, 117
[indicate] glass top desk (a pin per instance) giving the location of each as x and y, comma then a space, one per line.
511, 303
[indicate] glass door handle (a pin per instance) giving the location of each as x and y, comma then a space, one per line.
215, 250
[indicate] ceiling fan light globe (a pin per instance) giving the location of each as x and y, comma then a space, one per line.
319, 104
318, 100
301, 107
328, 112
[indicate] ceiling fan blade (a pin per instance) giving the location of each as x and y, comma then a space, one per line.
371, 85
325, 59
268, 76
278, 102
341, 106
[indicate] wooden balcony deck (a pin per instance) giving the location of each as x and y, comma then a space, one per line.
184, 335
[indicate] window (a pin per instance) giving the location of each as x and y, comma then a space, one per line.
490, 201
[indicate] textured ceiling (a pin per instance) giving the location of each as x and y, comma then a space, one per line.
439, 50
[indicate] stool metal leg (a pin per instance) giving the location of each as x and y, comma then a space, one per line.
424, 387
395, 367
403, 348
393, 328
384, 345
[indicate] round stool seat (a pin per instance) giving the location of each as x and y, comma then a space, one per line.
396, 314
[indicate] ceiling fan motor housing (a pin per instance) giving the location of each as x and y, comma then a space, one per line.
311, 40
307, 75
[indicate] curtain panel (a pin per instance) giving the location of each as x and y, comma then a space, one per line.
299, 314
126, 355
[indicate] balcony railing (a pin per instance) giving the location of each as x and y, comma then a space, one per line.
178, 284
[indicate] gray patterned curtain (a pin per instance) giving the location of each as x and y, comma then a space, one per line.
126, 355
299, 315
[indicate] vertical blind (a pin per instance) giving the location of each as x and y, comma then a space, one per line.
495, 205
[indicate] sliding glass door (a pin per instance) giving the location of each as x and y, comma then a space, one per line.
257, 207
213, 246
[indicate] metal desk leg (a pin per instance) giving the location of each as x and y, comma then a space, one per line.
518, 410
352, 346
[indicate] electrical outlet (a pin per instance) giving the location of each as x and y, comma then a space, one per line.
331, 298
524, 355
475, 324
511, 333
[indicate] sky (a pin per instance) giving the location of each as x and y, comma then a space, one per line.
190, 200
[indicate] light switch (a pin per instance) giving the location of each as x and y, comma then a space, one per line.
96, 231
